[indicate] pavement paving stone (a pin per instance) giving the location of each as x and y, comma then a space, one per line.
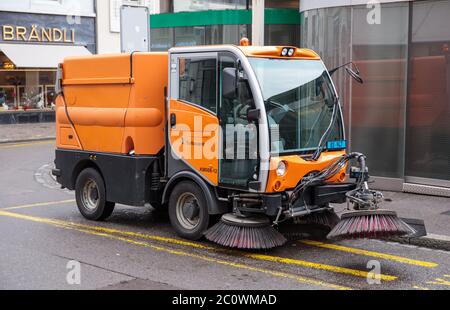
27, 132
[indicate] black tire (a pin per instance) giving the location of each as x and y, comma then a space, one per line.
92, 208
189, 191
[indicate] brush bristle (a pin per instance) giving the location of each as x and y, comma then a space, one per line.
370, 226
255, 238
328, 219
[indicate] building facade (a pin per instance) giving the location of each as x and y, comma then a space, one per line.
203, 22
108, 21
36, 35
400, 116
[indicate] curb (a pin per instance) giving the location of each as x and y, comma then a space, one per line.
431, 241
28, 140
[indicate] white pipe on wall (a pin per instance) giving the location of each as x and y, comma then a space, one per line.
258, 23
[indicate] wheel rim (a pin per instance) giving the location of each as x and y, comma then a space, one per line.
90, 195
188, 211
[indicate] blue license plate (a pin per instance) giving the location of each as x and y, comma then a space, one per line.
337, 145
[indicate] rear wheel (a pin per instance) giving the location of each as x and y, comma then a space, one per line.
188, 211
91, 196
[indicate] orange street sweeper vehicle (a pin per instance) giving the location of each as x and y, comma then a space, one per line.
244, 145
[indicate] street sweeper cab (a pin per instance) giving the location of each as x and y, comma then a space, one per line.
240, 144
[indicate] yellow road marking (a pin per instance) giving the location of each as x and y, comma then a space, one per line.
336, 269
25, 144
41, 204
421, 288
439, 281
297, 278
370, 253
287, 261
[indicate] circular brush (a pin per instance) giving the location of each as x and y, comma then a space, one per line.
370, 224
313, 226
254, 232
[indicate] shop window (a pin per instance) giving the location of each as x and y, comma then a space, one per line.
198, 82
428, 110
291, 4
282, 35
189, 36
202, 5
162, 39
31, 97
378, 106
7, 97
27, 90
328, 32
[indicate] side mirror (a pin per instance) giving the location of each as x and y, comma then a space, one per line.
253, 115
355, 74
352, 71
229, 82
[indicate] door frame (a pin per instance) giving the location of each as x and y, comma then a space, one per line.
264, 134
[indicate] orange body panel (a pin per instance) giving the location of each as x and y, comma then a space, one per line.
144, 122
115, 102
297, 168
195, 139
66, 136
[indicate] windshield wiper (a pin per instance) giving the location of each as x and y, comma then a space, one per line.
334, 117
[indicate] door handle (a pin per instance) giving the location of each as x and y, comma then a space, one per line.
173, 120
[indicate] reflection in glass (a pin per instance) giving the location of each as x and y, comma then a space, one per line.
299, 106
202, 5
198, 78
378, 105
428, 123
26, 89
282, 35
7, 98
328, 32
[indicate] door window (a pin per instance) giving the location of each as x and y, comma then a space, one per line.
198, 82
239, 163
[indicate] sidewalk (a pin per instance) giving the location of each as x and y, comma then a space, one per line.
435, 211
27, 132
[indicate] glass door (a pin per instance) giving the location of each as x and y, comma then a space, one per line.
239, 156
428, 120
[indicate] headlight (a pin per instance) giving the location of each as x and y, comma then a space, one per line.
284, 52
291, 52
282, 169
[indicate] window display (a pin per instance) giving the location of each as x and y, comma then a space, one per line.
7, 98
26, 90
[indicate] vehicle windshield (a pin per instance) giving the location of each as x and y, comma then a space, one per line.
299, 99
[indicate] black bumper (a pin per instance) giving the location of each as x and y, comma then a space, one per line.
332, 193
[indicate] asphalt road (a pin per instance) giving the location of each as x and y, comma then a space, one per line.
42, 232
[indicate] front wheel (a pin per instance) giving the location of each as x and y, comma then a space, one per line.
91, 196
188, 211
